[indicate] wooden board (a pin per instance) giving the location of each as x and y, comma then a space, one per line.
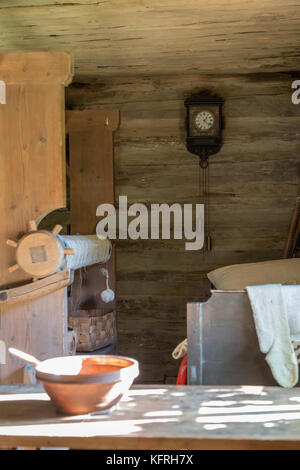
47, 68
32, 178
127, 37
157, 418
33, 319
38, 327
32, 165
35, 289
253, 184
91, 173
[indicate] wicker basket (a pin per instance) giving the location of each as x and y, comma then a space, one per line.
95, 330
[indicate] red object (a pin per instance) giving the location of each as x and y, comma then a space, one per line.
182, 374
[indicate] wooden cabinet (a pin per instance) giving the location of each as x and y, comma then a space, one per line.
32, 182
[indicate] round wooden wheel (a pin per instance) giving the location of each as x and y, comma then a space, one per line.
39, 253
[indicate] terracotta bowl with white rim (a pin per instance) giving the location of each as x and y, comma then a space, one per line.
84, 384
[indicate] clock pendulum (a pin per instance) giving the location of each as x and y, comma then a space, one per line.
203, 180
205, 196
204, 138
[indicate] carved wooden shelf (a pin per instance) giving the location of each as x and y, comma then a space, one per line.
36, 289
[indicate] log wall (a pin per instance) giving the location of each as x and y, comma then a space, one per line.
130, 37
144, 58
253, 182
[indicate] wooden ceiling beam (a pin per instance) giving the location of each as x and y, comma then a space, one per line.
128, 37
36, 67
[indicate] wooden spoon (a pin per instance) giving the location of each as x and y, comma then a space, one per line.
24, 356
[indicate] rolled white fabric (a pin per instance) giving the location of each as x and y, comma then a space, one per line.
88, 250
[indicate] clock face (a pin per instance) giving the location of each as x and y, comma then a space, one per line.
204, 120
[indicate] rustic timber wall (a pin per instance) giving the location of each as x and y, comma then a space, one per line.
126, 37
253, 184
253, 179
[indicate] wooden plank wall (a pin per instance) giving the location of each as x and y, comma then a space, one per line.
91, 183
127, 37
253, 184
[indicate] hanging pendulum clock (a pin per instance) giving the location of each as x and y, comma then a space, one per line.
204, 138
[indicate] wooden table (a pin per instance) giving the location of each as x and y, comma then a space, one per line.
157, 417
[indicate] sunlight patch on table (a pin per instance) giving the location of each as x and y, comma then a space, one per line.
154, 414
24, 397
154, 391
86, 429
249, 418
